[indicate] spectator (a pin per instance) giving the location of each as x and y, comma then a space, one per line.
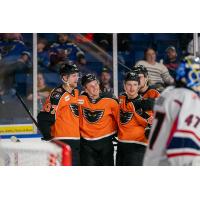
125, 53
105, 81
24, 61
43, 91
11, 47
158, 73
64, 50
42, 54
8, 71
81, 63
171, 61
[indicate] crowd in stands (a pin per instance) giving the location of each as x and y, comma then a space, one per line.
53, 50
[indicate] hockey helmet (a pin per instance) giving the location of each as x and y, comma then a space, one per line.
87, 79
140, 69
68, 69
132, 76
188, 73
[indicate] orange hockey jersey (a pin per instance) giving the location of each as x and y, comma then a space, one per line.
150, 93
63, 107
131, 124
98, 118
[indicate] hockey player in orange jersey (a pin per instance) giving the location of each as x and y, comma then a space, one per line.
147, 91
98, 124
59, 119
132, 123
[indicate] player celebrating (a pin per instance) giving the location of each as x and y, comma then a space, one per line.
59, 119
132, 123
175, 134
98, 124
148, 93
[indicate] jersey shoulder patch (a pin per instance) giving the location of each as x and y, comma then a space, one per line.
56, 94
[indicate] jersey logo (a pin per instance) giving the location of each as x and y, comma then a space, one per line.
125, 117
74, 109
80, 101
56, 95
92, 116
67, 98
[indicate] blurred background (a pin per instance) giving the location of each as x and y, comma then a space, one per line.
29, 64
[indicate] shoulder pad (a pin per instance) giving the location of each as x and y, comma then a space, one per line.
56, 94
123, 94
108, 95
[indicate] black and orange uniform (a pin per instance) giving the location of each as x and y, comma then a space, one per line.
131, 135
149, 97
98, 124
59, 119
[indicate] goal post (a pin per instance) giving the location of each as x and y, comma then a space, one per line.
35, 153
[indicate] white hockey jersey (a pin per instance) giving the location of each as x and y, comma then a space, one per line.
175, 134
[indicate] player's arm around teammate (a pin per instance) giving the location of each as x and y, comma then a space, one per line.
131, 134
98, 124
59, 119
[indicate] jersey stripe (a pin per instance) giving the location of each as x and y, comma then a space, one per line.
177, 142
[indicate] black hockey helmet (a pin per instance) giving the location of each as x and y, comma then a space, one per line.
132, 76
87, 79
140, 69
68, 69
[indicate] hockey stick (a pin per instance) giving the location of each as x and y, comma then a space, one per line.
29, 113
27, 110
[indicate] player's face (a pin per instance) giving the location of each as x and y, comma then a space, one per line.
143, 80
72, 80
92, 88
131, 88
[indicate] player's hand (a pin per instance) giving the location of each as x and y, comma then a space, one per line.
150, 120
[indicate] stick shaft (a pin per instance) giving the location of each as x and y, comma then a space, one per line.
27, 110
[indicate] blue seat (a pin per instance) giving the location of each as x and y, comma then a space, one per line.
52, 79
90, 58
165, 36
51, 37
139, 55
141, 36
95, 67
